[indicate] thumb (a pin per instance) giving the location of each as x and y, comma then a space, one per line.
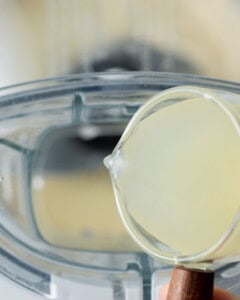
218, 294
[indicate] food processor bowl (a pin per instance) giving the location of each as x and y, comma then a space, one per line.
60, 234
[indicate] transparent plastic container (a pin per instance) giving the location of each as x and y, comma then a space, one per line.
37, 120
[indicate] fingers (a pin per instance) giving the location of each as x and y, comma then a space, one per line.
219, 294
163, 292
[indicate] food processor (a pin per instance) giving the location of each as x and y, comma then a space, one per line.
61, 236
99, 259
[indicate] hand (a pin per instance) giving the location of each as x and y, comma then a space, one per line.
219, 294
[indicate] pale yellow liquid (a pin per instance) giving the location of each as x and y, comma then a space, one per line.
78, 211
180, 175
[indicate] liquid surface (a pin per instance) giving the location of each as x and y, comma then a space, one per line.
178, 174
78, 211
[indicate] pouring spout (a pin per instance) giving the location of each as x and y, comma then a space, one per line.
108, 162
115, 163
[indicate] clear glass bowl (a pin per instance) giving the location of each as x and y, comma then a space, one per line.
65, 126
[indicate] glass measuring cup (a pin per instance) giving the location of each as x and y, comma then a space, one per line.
174, 173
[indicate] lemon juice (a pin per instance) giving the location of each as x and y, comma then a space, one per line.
176, 175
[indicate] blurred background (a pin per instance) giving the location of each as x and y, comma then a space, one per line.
49, 38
